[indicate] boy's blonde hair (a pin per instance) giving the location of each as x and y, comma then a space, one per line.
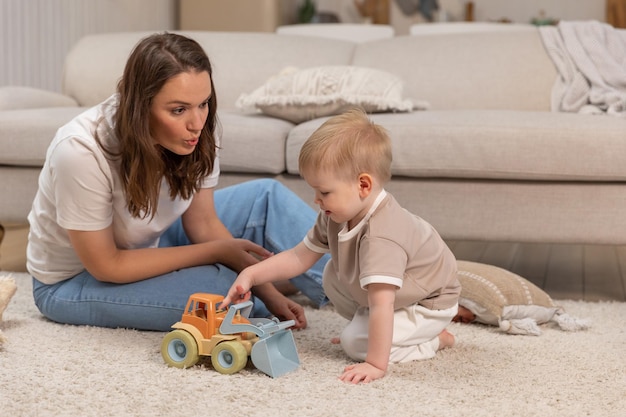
348, 145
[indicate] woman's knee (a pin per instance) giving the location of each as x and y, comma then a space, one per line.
266, 184
265, 189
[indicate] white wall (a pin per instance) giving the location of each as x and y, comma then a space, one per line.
518, 11
35, 35
236, 15
522, 11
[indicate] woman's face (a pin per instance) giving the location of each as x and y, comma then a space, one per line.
179, 111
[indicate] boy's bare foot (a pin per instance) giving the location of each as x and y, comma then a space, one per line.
464, 316
286, 288
446, 339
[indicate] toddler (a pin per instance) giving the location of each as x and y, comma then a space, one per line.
390, 272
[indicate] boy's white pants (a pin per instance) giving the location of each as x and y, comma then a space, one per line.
415, 333
415, 328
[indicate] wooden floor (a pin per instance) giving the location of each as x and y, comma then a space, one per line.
578, 272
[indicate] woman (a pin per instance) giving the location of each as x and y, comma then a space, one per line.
126, 223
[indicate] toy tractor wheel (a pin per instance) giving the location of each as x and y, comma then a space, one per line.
229, 357
179, 349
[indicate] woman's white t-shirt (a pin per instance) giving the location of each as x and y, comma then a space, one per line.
80, 189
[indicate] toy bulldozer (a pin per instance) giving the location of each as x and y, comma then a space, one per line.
229, 338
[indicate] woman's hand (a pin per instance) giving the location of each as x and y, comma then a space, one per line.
237, 254
286, 309
203, 225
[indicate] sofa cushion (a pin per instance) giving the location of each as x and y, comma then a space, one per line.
298, 95
496, 144
19, 97
25, 134
249, 144
504, 70
252, 144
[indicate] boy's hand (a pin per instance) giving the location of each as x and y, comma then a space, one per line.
361, 372
236, 294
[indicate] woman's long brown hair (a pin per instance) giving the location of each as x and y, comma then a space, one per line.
154, 61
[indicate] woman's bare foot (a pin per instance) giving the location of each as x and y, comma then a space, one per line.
446, 339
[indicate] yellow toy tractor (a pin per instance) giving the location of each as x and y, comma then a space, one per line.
229, 337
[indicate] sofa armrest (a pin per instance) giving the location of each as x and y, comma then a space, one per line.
18, 97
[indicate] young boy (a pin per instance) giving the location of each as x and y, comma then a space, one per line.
390, 272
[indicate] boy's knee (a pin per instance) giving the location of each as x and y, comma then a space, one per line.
355, 346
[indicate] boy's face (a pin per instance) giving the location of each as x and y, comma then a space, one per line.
342, 200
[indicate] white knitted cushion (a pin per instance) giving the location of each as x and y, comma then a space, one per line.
298, 95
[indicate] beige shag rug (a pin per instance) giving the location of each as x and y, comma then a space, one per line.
49, 369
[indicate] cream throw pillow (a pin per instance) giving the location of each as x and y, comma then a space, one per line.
501, 298
298, 95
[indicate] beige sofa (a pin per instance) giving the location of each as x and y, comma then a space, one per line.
487, 161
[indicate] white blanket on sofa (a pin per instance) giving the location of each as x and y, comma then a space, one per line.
590, 58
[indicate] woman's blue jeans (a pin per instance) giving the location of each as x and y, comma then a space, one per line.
263, 211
